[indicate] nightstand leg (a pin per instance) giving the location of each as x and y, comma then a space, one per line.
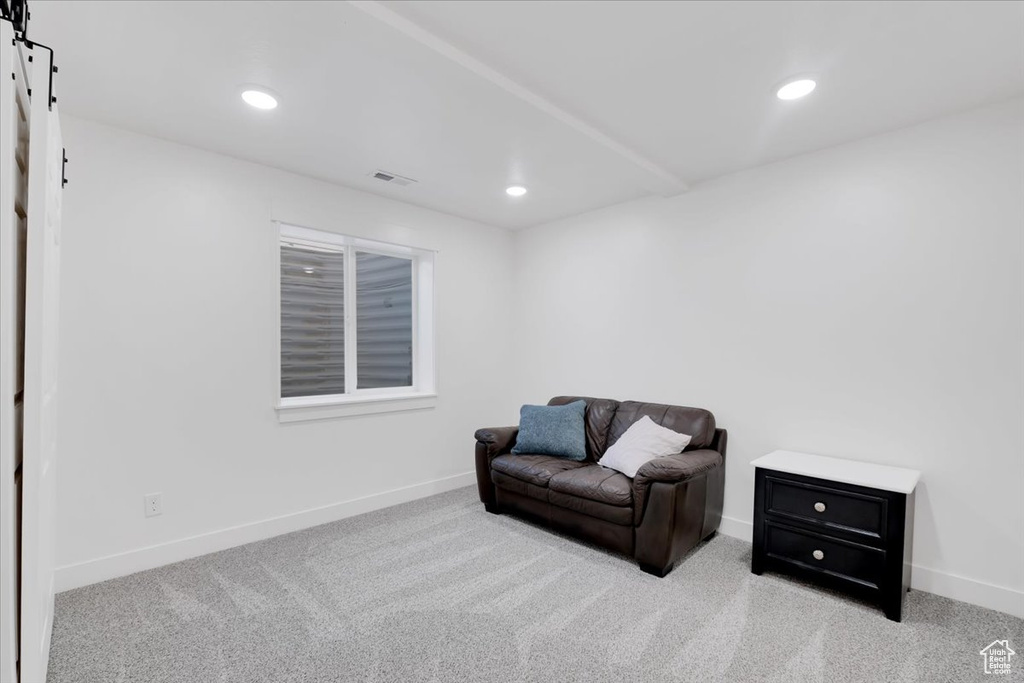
892, 604
756, 563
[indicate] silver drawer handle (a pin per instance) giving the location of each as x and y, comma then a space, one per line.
818, 555
820, 507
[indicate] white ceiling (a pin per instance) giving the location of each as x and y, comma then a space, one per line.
586, 103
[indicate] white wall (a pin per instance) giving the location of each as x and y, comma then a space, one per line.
167, 355
866, 301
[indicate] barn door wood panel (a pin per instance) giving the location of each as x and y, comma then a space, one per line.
14, 127
45, 189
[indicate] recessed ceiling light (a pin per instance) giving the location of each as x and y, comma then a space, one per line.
261, 99
309, 270
515, 191
794, 90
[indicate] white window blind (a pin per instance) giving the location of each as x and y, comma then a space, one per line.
312, 321
384, 321
356, 320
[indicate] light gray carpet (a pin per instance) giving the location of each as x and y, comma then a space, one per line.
439, 590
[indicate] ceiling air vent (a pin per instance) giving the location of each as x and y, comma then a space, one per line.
392, 178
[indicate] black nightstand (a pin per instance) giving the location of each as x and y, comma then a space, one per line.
841, 523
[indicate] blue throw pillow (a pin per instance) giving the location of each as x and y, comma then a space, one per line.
553, 430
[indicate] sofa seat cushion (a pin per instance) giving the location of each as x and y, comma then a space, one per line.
615, 514
534, 469
523, 488
596, 483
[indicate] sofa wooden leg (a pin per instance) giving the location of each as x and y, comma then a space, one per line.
660, 572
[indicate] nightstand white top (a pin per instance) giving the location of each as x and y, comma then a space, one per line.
868, 474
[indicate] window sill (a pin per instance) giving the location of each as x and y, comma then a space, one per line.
302, 409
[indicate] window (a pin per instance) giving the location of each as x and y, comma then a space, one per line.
356, 325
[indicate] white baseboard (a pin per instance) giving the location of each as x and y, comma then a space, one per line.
925, 579
999, 598
150, 557
737, 528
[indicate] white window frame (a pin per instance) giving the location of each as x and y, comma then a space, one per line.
422, 394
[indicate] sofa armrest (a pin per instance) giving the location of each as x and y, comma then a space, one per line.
678, 467
671, 469
497, 440
490, 443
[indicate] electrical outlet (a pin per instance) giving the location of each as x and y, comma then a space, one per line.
153, 505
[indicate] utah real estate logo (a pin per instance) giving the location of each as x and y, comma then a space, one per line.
997, 657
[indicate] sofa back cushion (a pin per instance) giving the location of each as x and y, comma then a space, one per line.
598, 417
697, 422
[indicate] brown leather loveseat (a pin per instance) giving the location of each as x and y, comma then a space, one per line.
672, 504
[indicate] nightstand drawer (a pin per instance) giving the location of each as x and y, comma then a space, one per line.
841, 559
826, 506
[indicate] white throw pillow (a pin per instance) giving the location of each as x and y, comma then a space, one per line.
643, 441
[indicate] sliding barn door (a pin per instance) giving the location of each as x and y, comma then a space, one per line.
14, 123
45, 188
